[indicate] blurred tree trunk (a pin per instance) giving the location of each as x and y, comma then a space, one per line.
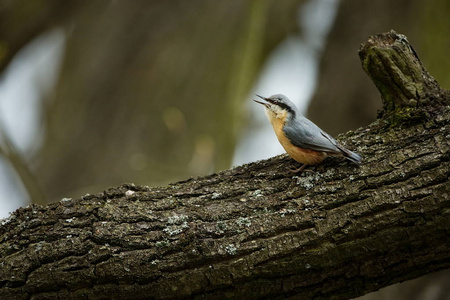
150, 92
345, 98
433, 42
22, 20
256, 231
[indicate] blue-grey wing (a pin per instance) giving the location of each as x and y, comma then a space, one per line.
305, 134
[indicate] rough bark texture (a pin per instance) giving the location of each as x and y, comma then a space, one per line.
257, 231
405, 85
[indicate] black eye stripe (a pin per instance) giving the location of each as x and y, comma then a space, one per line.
285, 106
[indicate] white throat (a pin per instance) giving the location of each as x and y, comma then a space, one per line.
274, 111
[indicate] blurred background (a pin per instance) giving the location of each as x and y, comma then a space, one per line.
97, 93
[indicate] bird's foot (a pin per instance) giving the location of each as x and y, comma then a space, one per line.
300, 169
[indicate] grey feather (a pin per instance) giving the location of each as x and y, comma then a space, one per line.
305, 134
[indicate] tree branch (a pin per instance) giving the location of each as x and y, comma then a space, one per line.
404, 83
256, 231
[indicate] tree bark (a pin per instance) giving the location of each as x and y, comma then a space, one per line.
259, 231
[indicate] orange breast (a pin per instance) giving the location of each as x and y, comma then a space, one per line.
304, 156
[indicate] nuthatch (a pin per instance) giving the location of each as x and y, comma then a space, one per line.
303, 140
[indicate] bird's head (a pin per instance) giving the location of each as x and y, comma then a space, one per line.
278, 106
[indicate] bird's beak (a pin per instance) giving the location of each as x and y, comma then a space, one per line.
260, 102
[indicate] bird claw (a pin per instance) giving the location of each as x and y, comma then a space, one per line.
300, 169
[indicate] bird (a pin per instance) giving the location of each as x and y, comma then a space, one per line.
303, 140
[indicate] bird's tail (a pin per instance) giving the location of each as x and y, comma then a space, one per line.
351, 156
354, 157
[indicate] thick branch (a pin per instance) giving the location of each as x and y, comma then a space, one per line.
255, 231
404, 83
